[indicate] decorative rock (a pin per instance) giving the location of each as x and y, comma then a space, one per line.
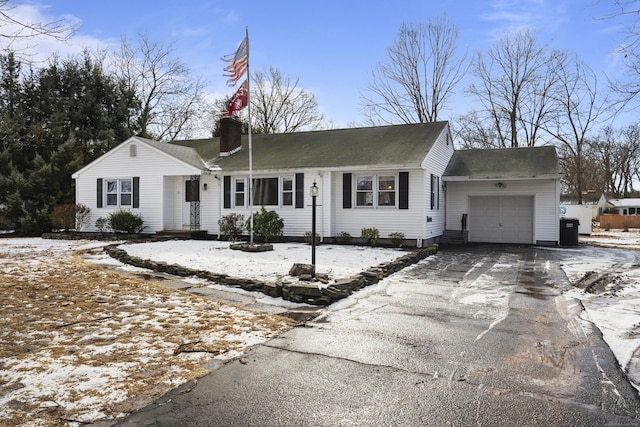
296, 292
298, 269
272, 289
247, 247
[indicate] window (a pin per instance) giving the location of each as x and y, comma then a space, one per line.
265, 191
372, 190
435, 192
271, 191
387, 190
364, 190
239, 192
287, 192
119, 192
192, 190
632, 211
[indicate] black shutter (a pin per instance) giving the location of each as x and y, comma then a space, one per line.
403, 190
136, 192
346, 190
99, 189
299, 190
227, 192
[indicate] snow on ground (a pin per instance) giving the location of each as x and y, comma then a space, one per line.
337, 261
615, 307
79, 343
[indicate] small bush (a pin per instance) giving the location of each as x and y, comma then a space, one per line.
370, 235
126, 222
102, 224
69, 216
307, 238
397, 239
266, 225
231, 226
343, 237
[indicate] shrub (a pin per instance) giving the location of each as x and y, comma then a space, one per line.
307, 238
266, 225
102, 224
397, 239
69, 216
370, 235
343, 237
231, 226
126, 222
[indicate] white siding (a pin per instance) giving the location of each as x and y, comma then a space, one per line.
545, 194
435, 163
297, 221
386, 219
149, 164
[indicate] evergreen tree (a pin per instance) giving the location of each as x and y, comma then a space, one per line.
53, 121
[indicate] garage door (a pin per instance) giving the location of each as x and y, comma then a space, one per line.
501, 219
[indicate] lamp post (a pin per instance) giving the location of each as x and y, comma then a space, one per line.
314, 194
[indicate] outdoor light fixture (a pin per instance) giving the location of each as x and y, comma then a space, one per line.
204, 186
314, 194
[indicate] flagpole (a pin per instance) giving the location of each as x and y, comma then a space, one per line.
250, 145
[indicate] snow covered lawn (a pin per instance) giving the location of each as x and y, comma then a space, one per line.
79, 343
334, 260
614, 304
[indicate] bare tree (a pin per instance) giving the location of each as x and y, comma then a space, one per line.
627, 85
618, 156
515, 81
474, 132
280, 105
171, 99
14, 31
578, 109
419, 75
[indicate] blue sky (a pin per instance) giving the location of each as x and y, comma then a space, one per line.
330, 45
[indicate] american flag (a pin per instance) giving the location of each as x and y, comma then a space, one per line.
239, 63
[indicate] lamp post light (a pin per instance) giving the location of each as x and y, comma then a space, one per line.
314, 194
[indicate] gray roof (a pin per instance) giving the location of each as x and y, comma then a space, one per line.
399, 145
525, 162
188, 155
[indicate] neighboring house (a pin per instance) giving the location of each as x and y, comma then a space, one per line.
628, 206
388, 177
507, 195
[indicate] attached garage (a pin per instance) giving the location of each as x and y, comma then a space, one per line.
501, 219
504, 196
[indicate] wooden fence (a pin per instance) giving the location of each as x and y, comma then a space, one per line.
612, 222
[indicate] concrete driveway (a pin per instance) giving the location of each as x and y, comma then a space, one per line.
471, 336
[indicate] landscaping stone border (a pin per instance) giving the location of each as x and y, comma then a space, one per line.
309, 293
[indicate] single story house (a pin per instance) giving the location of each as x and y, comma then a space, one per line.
402, 178
626, 206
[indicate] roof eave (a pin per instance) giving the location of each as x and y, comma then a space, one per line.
503, 177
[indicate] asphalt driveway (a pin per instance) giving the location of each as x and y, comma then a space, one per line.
471, 336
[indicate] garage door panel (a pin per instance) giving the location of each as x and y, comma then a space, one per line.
504, 219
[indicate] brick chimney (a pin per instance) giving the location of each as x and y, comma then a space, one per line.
230, 136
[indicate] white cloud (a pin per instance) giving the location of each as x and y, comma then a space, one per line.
37, 49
